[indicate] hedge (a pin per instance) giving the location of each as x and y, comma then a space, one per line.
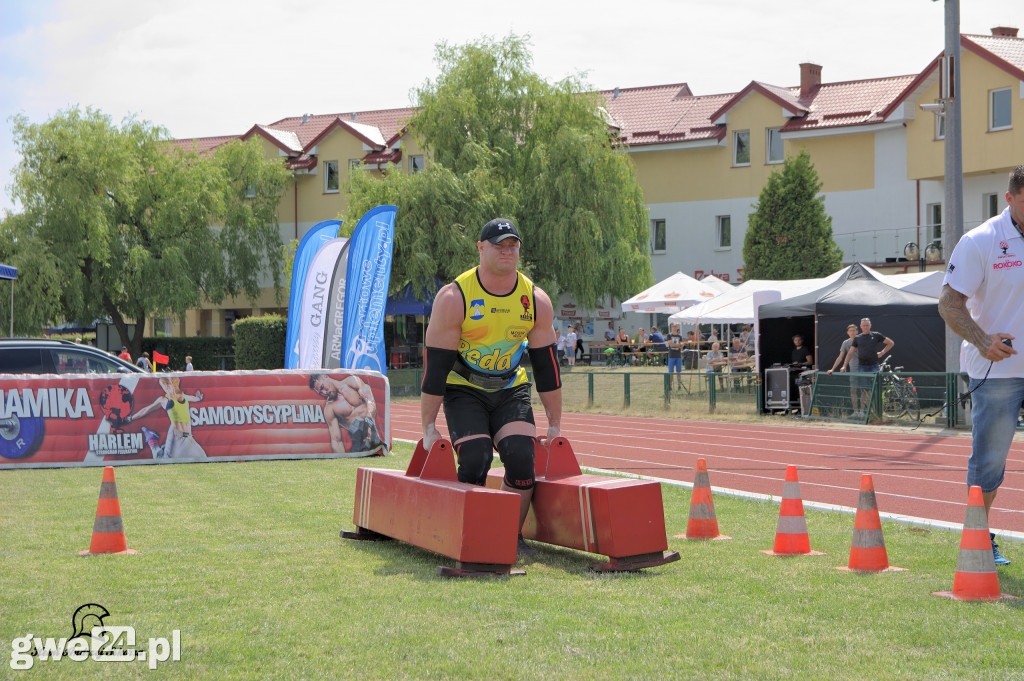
259, 342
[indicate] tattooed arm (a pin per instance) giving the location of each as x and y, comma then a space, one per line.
953, 309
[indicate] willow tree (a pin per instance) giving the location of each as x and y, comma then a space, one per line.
789, 234
117, 223
504, 142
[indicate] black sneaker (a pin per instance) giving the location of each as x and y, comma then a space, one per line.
524, 549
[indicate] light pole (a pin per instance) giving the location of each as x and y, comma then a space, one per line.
953, 208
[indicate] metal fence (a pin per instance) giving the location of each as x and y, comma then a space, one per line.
922, 398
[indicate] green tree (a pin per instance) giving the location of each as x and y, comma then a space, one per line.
789, 235
117, 223
504, 142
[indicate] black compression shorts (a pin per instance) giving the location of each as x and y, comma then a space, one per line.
469, 411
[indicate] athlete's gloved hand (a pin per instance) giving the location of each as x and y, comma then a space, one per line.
430, 436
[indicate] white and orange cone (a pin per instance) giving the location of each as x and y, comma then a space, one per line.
867, 550
976, 578
791, 537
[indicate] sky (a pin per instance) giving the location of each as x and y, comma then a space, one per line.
203, 68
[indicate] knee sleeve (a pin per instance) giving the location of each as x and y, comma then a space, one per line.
475, 458
517, 453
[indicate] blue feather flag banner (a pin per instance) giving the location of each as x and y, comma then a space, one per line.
312, 241
366, 291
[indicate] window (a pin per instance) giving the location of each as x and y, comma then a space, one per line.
250, 191
723, 231
415, 164
330, 177
774, 146
999, 109
741, 148
658, 236
933, 212
940, 125
990, 206
355, 163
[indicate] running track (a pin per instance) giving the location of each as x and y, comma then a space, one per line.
918, 474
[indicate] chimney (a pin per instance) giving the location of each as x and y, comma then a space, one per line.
616, 92
305, 118
1004, 32
810, 78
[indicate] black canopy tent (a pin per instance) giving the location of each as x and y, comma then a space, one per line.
912, 321
8, 272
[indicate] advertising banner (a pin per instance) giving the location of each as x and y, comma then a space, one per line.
366, 295
99, 420
318, 235
334, 325
314, 312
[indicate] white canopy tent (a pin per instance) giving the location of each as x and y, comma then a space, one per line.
676, 293
737, 306
923, 283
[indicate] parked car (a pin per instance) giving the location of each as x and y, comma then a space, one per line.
48, 356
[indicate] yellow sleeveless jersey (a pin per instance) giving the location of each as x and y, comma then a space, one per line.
494, 331
178, 411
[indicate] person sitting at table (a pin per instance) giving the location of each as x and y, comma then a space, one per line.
739, 360
657, 341
716, 363
623, 341
640, 341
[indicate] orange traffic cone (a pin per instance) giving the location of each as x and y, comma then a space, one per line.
867, 552
702, 523
108, 530
791, 533
976, 578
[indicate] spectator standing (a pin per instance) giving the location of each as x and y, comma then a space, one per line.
561, 347
125, 355
675, 355
143, 362
870, 347
855, 402
188, 362
570, 346
691, 351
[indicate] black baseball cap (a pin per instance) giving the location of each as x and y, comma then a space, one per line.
499, 229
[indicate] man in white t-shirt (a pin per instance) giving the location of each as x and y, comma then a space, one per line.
987, 268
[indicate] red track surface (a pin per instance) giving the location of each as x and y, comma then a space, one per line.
915, 474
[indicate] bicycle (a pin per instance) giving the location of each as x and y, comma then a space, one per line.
899, 394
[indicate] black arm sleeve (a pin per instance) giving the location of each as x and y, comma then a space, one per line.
437, 364
545, 368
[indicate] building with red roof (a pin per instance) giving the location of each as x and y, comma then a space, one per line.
703, 159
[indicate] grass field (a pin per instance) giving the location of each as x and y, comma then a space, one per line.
245, 560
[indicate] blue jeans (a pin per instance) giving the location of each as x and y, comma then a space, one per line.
675, 364
864, 382
996, 405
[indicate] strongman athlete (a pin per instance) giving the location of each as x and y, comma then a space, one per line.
475, 341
